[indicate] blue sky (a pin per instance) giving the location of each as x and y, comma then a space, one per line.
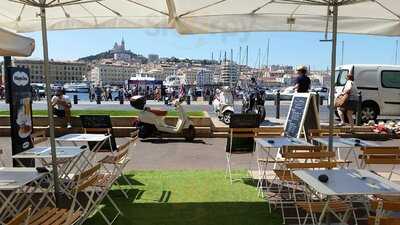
285, 48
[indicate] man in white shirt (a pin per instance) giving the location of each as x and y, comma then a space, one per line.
62, 106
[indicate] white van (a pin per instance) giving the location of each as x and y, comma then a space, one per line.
379, 86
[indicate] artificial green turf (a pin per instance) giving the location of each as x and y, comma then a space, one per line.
105, 112
189, 198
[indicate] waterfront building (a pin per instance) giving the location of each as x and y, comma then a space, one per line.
204, 77
156, 73
60, 72
228, 74
112, 74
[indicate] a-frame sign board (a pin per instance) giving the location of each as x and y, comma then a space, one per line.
303, 115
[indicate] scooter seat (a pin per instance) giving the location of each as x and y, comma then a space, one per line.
158, 112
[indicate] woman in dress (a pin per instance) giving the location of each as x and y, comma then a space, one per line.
350, 106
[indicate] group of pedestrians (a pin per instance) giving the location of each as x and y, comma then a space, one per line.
98, 93
349, 93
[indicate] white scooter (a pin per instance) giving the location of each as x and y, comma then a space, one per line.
223, 105
151, 121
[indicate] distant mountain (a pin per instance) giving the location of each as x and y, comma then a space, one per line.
102, 55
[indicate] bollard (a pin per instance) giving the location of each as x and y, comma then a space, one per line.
75, 99
278, 103
318, 99
358, 112
188, 99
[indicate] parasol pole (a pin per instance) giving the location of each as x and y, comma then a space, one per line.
49, 106
333, 71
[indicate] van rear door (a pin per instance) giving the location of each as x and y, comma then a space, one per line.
389, 88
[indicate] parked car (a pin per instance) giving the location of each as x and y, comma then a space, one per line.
287, 93
379, 86
322, 91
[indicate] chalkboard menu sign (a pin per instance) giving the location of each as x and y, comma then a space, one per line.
303, 115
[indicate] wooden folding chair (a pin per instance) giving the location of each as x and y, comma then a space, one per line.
78, 211
98, 188
118, 161
20, 218
299, 157
309, 205
381, 156
383, 208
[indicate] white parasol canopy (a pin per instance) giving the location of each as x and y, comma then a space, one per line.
377, 17
12, 44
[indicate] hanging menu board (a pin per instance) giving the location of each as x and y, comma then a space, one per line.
303, 115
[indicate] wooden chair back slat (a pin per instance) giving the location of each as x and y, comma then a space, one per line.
382, 150
243, 132
123, 146
307, 148
382, 161
134, 136
381, 155
384, 220
387, 205
87, 173
87, 183
121, 154
323, 132
20, 218
312, 165
286, 175
309, 155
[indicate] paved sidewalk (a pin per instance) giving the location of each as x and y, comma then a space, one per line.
172, 154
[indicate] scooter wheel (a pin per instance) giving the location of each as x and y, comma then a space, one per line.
226, 118
190, 133
145, 130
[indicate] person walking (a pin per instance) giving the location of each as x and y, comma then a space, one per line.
109, 95
99, 92
92, 94
346, 111
303, 82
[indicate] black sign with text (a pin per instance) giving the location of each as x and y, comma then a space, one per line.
298, 108
18, 84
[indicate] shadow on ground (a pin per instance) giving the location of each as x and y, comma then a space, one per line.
199, 213
187, 198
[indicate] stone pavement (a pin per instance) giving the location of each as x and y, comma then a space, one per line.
171, 154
